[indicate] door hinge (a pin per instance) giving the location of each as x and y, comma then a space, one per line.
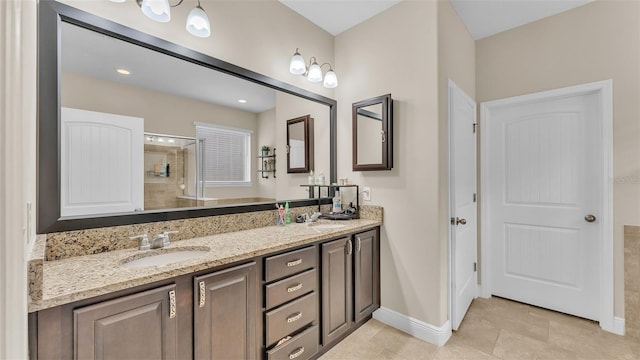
474, 127
474, 197
453, 221
475, 267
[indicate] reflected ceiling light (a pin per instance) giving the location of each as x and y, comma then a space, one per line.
117, 1
123, 71
160, 10
242, 101
298, 66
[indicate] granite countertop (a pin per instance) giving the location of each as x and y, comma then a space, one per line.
69, 280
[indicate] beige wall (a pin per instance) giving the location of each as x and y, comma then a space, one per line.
396, 52
290, 107
456, 61
594, 42
267, 136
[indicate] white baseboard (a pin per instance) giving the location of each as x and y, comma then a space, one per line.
618, 326
420, 329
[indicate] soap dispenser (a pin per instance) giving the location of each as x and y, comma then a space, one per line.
337, 203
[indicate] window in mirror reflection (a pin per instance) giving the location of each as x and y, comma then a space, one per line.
226, 155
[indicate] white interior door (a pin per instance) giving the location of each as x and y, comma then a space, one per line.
543, 179
102, 158
462, 177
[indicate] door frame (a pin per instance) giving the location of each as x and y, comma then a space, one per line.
451, 85
604, 90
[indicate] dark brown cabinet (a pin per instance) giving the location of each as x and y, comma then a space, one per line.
291, 305
138, 326
366, 274
225, 314
350, 283
336, 288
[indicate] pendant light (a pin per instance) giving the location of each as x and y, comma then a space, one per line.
160, 10
297, 66
198, 22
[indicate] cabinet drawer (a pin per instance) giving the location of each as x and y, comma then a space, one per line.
290, 288
301, 347
288, 319
279, 266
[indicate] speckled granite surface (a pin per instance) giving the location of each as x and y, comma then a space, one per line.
80, 277
68, 244
632, 281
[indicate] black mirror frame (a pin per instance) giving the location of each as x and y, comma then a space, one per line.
387, 136
50, 16
307, 121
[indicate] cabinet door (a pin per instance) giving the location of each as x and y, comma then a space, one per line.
337, 286
225, 312
366, 287
139, 326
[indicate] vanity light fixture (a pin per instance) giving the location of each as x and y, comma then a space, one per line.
160, 10
298, 66
123, 71
242, 101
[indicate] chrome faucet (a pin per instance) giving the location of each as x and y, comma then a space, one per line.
144, 241
311, 218
161, 240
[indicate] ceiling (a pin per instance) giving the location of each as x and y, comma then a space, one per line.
481, 17
488, 17
336, 16
96, 55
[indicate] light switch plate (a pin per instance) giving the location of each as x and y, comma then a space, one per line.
366, 193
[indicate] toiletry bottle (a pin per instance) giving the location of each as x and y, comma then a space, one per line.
287, 214
320, 179
337, 204
281, 215
310, 179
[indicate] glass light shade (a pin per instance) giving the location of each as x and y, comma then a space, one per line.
297, 65
157, 10
198, 23
330, 79
315, 73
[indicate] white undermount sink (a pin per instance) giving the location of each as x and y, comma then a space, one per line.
164, 257
325, 226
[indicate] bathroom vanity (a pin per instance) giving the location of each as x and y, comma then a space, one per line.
278, 292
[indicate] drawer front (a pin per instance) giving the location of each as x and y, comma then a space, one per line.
279, 266
290, 318
290, 288
301, 347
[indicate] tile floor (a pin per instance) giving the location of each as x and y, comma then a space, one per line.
493, 329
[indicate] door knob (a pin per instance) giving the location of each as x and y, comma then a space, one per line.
590, 218
461, 221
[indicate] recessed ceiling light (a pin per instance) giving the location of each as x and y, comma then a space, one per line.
123, 71
160, 140
242, 101
171, 141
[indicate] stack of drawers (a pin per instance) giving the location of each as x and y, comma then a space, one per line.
291, 305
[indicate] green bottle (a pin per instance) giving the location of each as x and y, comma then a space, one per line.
287, 214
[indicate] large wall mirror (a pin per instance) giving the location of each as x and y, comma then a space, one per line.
372, 126
135, 129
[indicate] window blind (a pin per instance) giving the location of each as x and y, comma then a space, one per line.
226, 155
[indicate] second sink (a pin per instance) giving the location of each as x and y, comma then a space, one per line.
161, 258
